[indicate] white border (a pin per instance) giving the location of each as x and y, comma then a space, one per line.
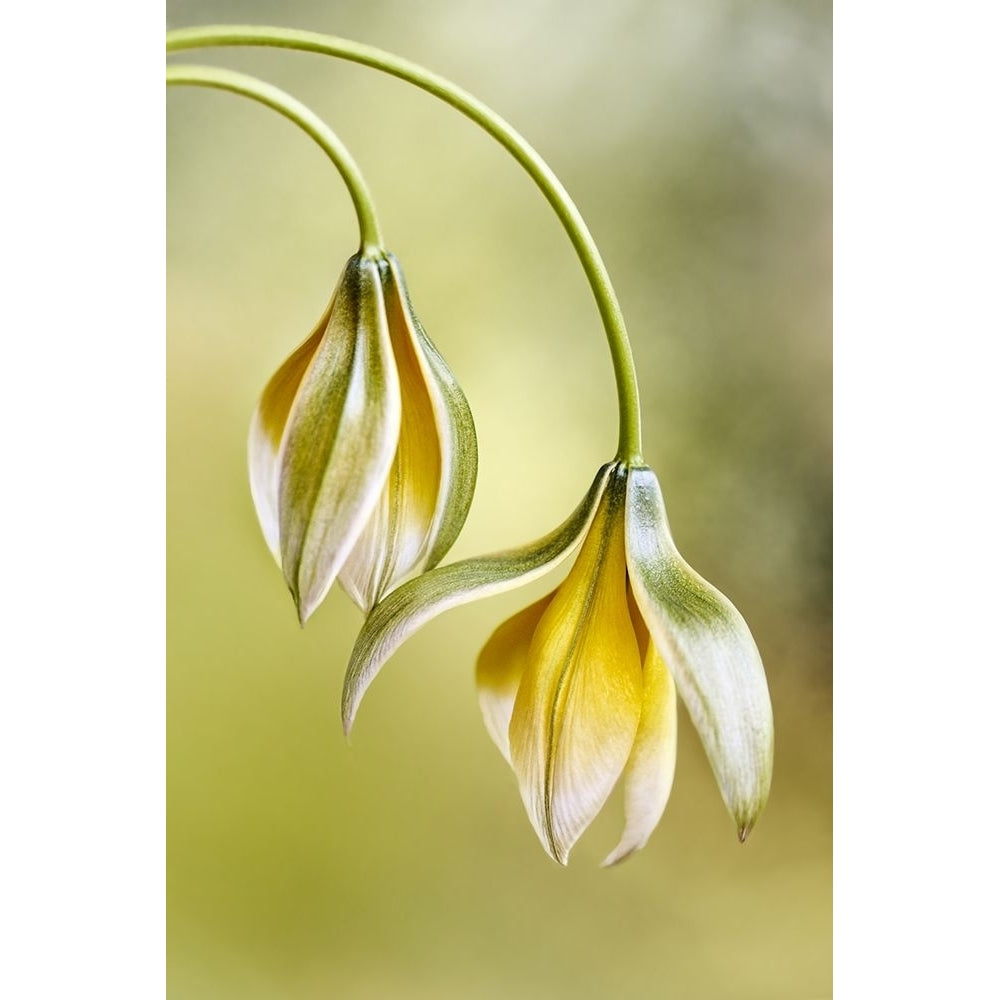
81, 717
82, 709
916, 699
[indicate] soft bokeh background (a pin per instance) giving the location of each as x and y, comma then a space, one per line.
695, 137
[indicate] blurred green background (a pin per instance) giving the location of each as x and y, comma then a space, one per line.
695, 137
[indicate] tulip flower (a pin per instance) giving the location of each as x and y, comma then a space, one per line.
579, 690
362, 468
362, 449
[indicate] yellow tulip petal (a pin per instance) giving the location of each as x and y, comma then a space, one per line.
500, 667
456, 432
578, 706
710, 650
649, 773
639, 624
418, 601
341, 438
267, 427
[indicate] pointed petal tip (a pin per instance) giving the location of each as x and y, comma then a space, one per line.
557, 852
307, 601
623, 850
347, 716
301, 614
743, 831
617, 856
302, 611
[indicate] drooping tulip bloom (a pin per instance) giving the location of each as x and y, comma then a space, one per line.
578, 690
362, 449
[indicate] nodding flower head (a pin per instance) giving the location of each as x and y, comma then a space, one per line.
579, 690
362, 449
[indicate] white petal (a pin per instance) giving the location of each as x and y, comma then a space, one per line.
649, 773
341, 438
708, 649
361, 576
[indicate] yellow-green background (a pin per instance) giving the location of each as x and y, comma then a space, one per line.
695, 137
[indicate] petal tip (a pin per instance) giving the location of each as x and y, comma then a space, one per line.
301, 612
303, 609
743, 830
558, 852
348, 713
617, 856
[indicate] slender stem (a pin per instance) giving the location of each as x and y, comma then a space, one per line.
308, 121
629, 441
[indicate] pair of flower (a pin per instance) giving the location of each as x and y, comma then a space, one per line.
362, 466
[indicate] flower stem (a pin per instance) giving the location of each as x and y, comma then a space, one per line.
308, 121
630, 437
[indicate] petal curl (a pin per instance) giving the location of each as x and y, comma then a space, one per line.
578, 706
709, 650
341, 438
408, 608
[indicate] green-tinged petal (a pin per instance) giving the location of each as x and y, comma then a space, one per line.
578, 706
501, 666
649, 773
411, 606
709, 650
456, 432
341, 438
394, 540
399, 537
267, 427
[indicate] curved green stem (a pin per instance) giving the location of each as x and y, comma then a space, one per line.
629, 440
308, 121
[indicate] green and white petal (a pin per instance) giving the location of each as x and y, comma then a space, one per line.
429, 488
394, 541
456, 432
578, 706
412, 605
649, 773
340, 439
267, 427
501, 666
709, 651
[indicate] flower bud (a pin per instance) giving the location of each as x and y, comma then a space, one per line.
362, 449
